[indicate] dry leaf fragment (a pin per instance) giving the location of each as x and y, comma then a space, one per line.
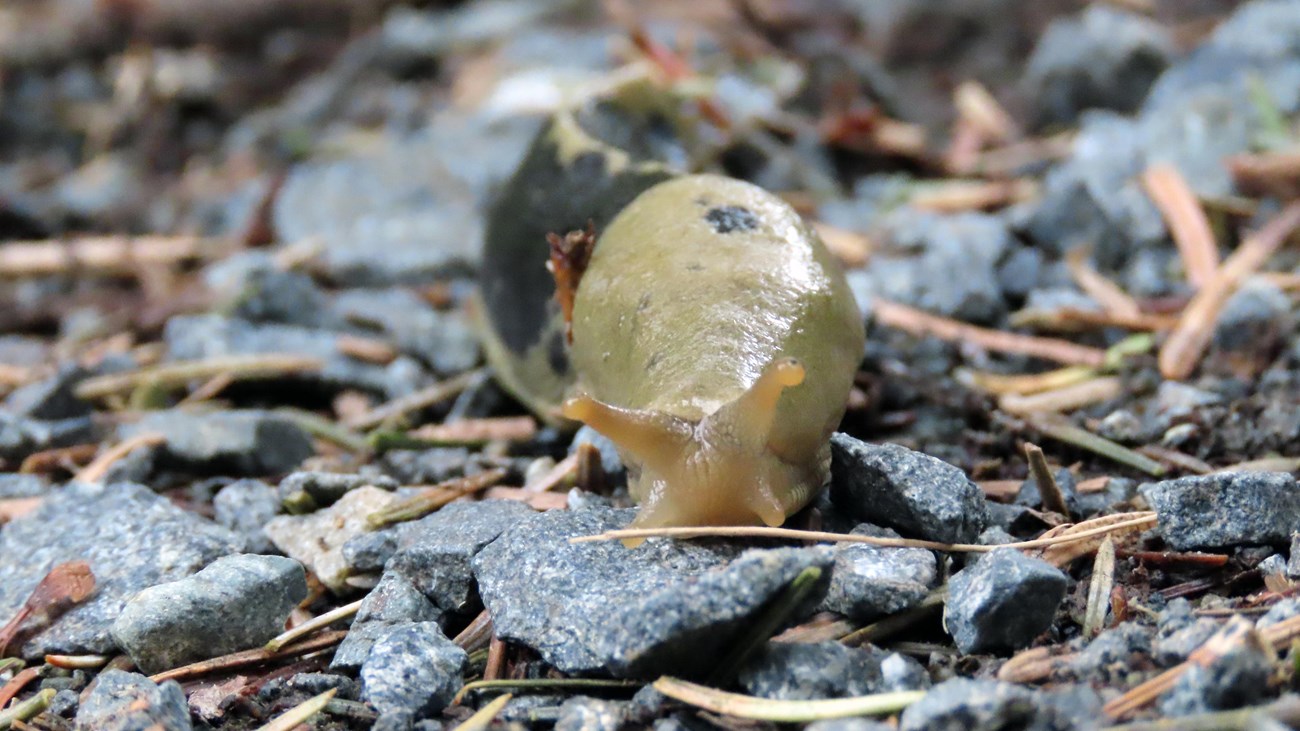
66, 584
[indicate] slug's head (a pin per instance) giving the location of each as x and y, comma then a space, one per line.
724, 469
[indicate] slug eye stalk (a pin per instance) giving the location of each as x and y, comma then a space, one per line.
719, 470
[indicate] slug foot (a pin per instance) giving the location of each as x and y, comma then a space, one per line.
717, 471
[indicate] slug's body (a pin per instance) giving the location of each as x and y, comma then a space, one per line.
714, 341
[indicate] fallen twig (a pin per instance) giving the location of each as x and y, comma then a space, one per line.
311, 625
918, 322
422, 399
1188, 224
323, 641
109, 255
434, 497
544, 684
299, 714
1106, 293
95, 471
1050, 492
1057, 428
28, 709
478, 431
1066, 398
1130, 520
783, 711
177, 375
484, 716
1182, 351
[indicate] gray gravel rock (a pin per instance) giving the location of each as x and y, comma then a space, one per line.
122, 701
235, 603
849, 724
1282, 611
1254, 322
1176, 401
1250, 508
916, 494
19, 484
1095, 198
953, 270
444, 341
581, 713
1002, 602
398, 199
1293, 560
1101, 58
20, 437
1110, 655
962, 704
392, 603
871, 581
245, 507
426, 466
809, 671
434, 553
50, 398
412, 670
573, 603
132, 539
228, 442
198, 337
305, 492
1178, 632
1237, 678
251, 286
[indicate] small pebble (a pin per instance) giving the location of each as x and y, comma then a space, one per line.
131, 537
413, 670
122, 701
245, 507
1250, 508
236, 603
1002, 602
918, 495
870, 581
253, 443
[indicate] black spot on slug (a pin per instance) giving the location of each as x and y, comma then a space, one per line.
725, 219
557, 356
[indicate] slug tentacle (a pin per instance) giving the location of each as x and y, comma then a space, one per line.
654, 438
748, 420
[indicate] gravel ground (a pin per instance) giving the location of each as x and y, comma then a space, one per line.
244, 383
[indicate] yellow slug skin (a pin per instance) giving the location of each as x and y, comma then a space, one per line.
715, 341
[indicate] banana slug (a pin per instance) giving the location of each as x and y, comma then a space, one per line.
713, 337
714, 342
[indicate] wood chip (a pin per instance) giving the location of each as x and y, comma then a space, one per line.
1064, 554
1099, 587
